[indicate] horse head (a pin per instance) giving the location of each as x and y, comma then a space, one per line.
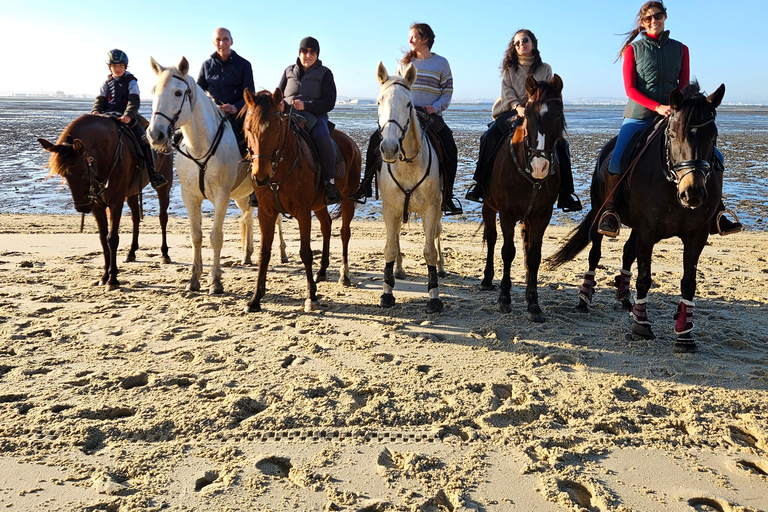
70, 161
172, 100
690, 142
397, 114
545, 124
263, 132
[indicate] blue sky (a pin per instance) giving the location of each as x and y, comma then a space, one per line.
55, 45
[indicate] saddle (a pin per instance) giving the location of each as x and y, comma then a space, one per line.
432, 126
301, 124
140, 170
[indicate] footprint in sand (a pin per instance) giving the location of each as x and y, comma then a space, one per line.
206, 479
754, 467
711, 505
134, 381
278, 467
742, 437
578, 494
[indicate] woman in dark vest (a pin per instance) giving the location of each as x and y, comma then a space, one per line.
309, 88
653, 67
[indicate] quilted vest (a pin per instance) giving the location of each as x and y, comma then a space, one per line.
117, 100
307, 85
657, 70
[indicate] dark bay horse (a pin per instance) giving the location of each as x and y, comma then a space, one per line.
285, 183
99, 159
672, 190
523, 187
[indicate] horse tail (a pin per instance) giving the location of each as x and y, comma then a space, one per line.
578, 239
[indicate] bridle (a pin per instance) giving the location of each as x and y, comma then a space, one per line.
679, 170
97, 188
187, 94
531, 153
403, 128
275, 158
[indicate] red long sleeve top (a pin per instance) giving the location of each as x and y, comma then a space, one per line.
630, 78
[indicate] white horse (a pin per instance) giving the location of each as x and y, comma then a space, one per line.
409, 181
211, 166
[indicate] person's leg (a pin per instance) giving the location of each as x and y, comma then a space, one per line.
372, 164
155, 178
720, 223
567, 201
322, 139
488, 142
451, 161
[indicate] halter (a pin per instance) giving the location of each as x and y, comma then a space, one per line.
686, 167
187, 94
403, 129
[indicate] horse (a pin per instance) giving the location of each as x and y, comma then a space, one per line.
286, 184
211, 167
411, 183
524, 185
98, 158
670, 190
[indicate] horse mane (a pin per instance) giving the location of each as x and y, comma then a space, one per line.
695, 107
61, 160
257, 118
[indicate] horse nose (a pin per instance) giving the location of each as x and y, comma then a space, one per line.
693, 197
539, 168
157, 135
83, 209
389, 150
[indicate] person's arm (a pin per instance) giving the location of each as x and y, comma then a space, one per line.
446, 90
685, 70
510, 100
247, 82
202, 81
134, 102
100, 103
630, 81
327, 99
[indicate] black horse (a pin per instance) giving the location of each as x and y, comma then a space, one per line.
670, 190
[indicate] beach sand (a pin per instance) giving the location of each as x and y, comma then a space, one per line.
150, 397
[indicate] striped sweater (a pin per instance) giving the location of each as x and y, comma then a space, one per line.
434, 82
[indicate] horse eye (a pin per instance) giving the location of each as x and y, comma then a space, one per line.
178, 93
409, 104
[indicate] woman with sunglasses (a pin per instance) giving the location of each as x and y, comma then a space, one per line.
653, 67
431, 93
521, 60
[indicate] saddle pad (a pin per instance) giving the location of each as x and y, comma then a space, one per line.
309, 152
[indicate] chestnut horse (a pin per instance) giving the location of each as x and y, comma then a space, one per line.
98, 158
286, 184
670, 191
524, 186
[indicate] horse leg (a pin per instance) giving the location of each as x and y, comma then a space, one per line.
490, 235
196, 237
392, 256
305, 233
533, 236
431, 222
399, 271
217, 241
133, 203
164, 165
325, 228
113, 240
693, 245
283, 254
347, 213
246, 229
441, 273
623, 280
507, 255
641, 327
101, 222
267, 228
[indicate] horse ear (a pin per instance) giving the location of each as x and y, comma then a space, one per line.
557, 83
676, 99
48, 146
410, 75
277, 96
531, 85
716, 97
381, 73
184, 66
157, 68
248, 97
79, 147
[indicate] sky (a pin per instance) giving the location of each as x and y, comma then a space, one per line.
51, 45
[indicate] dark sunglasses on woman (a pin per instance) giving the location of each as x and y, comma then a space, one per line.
658, 16
522, 41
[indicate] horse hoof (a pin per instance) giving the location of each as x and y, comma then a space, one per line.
643, 331
319, 278
345, 281
685, 344
434, 306
111, 287
537, 318
583, 307
626, 304
442, 274
503, 307
246, 262
252, 308
167, 259
486, 285
284, 259
311, 305
216, 289
193, 287
131, 258
387, 300
400, 274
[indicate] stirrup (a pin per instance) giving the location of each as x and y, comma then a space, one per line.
450, 207
574, 206
157, 181
358, 196
736, 226
603, 218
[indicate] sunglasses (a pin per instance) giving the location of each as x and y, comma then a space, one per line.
522, 41
308, 51
658, 17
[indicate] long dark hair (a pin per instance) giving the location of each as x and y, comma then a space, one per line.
425, 31
511, 57
632, 34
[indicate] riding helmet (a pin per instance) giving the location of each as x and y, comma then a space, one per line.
117, 57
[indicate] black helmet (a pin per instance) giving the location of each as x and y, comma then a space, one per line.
117, 57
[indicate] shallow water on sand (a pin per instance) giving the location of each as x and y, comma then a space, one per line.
743, 139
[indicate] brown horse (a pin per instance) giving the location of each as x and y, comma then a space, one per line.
524, 187
285, 183
98, 158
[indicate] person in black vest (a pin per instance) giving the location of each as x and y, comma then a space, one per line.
225, 75
309, 88
120, 94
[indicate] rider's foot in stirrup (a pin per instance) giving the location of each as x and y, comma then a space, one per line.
609, 224
332, 195
359, 196
724, 226
252, 201
475, 193
569, 203
452, 207
157, 180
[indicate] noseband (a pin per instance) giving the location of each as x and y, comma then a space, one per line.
403, 128
677, 171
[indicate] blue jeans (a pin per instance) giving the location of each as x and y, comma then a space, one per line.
322, 138
628, 128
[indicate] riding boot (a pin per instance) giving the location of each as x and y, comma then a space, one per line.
567, 201
332, 195
610, 224
252, 201
372, 164
720, 223
450, 205
155, 178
